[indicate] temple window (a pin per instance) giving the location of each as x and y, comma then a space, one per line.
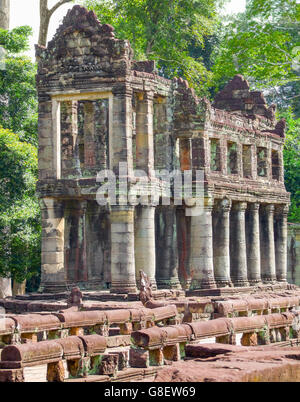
232, 158
215, 155
262, 162
275, 165
84, 127
247, 156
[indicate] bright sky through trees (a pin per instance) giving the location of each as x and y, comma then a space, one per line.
26, 12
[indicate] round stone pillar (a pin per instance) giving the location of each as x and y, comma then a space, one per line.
202, 271
167, 248
122, 250
238, 254
267, 244
221, 243
280, 234
145, 243
253, 244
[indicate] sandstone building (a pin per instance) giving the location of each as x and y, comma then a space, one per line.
99, 108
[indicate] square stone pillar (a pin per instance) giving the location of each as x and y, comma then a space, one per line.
280, 235
238, 255
48, 158
202, 270
267, 244
145, 242
167, 248
121, 136
221, 242
53, 276
253, 244
122, 250
144, 132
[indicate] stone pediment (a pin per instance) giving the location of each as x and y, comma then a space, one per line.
82, 44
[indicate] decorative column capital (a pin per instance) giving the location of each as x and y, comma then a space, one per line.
122, 90
223, 205
48, 203
121, 208
145, 96
269, 208
282, 209
254, 206
239, 206
149, 96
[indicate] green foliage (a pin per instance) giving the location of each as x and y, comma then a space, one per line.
262, 44
19, 208
17, 85
16, 40
164, 31
18, 97
292, 163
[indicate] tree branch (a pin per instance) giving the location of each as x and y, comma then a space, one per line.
57, 5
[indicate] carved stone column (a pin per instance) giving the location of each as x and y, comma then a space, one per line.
167, 248
122, 250
238, 255
280, 234
202, 270
53, 276
145, 242
253, 244
267, 244
221, 242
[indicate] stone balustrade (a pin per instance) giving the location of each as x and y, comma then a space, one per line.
250, 305
38, 327
85, 356
73, 356
152, 346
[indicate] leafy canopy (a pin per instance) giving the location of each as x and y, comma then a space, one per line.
163, 30
18, 97
263, 44
292, 163
16, 40
19, 208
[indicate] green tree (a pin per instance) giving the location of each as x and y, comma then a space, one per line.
292, 163
18, 97
165, 31
262, 43
19, 209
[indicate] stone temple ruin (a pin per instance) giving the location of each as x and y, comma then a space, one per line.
151, 283
99, 108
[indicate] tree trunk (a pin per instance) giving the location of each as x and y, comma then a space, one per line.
44, 22
45, 16
5, 288
4, 14
19, 289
